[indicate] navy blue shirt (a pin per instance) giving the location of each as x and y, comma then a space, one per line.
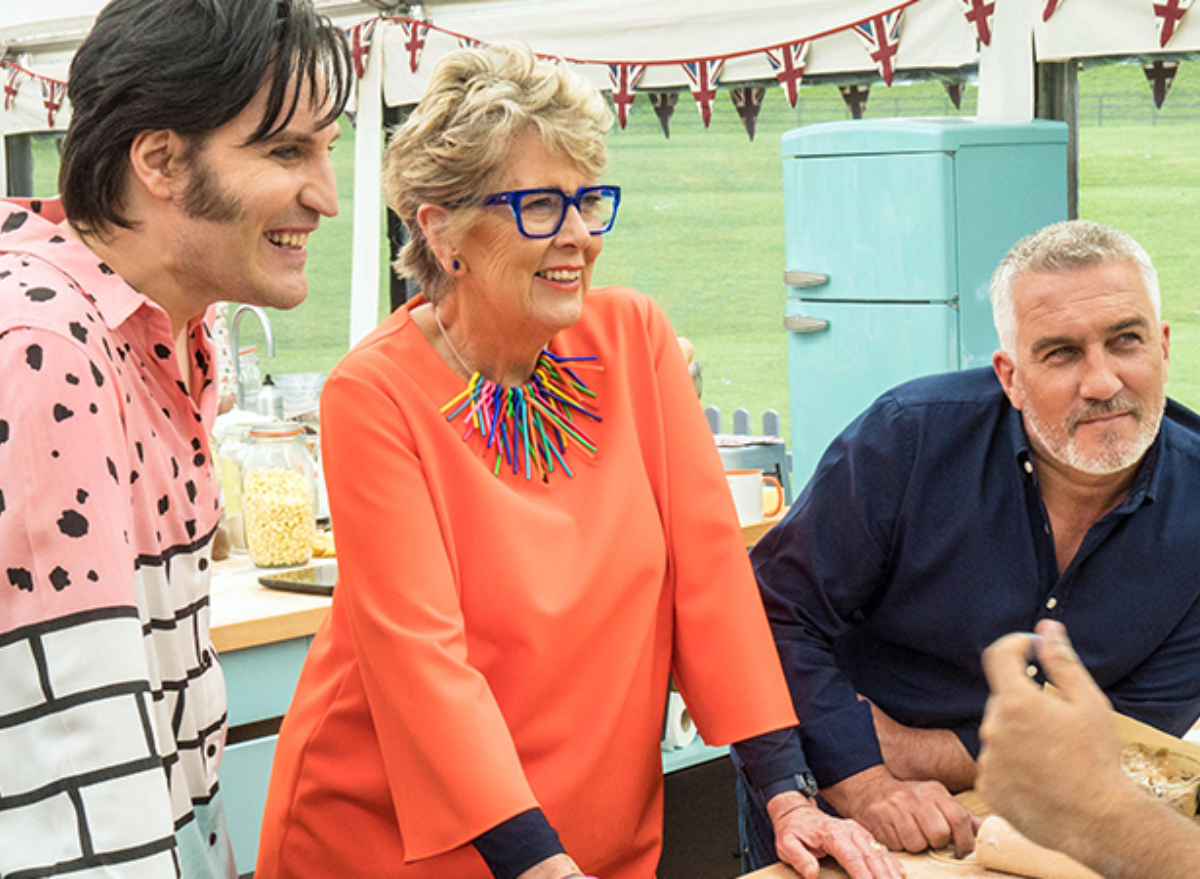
922, 538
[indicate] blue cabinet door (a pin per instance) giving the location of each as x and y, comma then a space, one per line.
841, 356
881, 227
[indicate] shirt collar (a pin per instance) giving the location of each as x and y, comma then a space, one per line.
29, 227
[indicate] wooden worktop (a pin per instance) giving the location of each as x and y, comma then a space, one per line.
247, 614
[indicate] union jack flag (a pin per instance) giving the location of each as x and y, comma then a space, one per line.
881, 35
979, 13
748, 102
361, 36
12, 82
788, 63
469, 43
1050, 8
703, 75
52, 98
624, 78
414, 40
1170, 15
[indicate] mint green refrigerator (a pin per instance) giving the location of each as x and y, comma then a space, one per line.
894, 227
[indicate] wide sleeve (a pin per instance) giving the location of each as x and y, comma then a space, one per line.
81, 775
819, 569
723, 659
452, 768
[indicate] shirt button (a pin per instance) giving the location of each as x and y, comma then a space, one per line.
1051, 604
1046, 527
1028, 466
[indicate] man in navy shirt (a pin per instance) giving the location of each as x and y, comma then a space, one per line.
1061, 484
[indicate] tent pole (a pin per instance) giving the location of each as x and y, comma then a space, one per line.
368, 157
1058, 98
1006, 66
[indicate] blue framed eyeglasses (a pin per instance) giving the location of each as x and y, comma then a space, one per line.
540, 212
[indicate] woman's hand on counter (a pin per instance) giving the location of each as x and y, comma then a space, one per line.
804, 834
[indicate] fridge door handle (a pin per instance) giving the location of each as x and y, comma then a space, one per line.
797, 278
799, 323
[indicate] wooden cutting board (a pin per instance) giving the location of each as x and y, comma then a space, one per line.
915, 867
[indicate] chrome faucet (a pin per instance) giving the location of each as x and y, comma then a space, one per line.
234, 325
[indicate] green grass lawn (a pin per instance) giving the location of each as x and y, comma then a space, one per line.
701, 224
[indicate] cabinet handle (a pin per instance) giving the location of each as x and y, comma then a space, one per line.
799, 323
797, 278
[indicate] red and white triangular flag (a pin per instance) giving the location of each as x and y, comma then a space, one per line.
361, 37
881, 35
979, 13
52, 97
1170, 15
788, 63
703, 75
1050, 8
469, 43
1161, 74
414, 41
12, 83
624, 78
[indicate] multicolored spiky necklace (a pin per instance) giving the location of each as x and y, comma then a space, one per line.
530, 427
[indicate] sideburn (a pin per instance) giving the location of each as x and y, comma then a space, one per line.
204, 198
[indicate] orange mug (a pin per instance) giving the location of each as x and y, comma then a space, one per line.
748, 488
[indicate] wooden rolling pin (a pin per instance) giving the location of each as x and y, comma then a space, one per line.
999, 846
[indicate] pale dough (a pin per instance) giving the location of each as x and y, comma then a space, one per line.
999, 846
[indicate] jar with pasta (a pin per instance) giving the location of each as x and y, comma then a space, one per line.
278, 495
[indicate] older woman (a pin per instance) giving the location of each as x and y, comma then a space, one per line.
533, 532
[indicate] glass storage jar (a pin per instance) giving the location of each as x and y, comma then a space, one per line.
278, 494
231, 451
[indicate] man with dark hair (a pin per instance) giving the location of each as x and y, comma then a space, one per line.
1057, 485
195, 167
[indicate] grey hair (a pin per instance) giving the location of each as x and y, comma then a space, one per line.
455, 146
1064, 247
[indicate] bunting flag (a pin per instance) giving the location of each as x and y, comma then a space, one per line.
748, 101
664, 108
361, 36
414, 41
955, 91
788, 63
704, 74
881, 35
12, 82
1161, 74
1170, 15
1050, 8
855, 97
469, 43
979, 13
52, 98
624, 79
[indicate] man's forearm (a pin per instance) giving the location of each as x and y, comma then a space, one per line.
924, 754
1136, 839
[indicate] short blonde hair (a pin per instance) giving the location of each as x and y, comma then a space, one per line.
1064, 247
455, 146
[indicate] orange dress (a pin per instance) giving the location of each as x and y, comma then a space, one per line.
497, 644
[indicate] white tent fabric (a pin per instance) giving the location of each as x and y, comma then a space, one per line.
934, 34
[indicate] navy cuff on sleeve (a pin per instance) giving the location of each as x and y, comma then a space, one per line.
513, 846
841, 744
772, 761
